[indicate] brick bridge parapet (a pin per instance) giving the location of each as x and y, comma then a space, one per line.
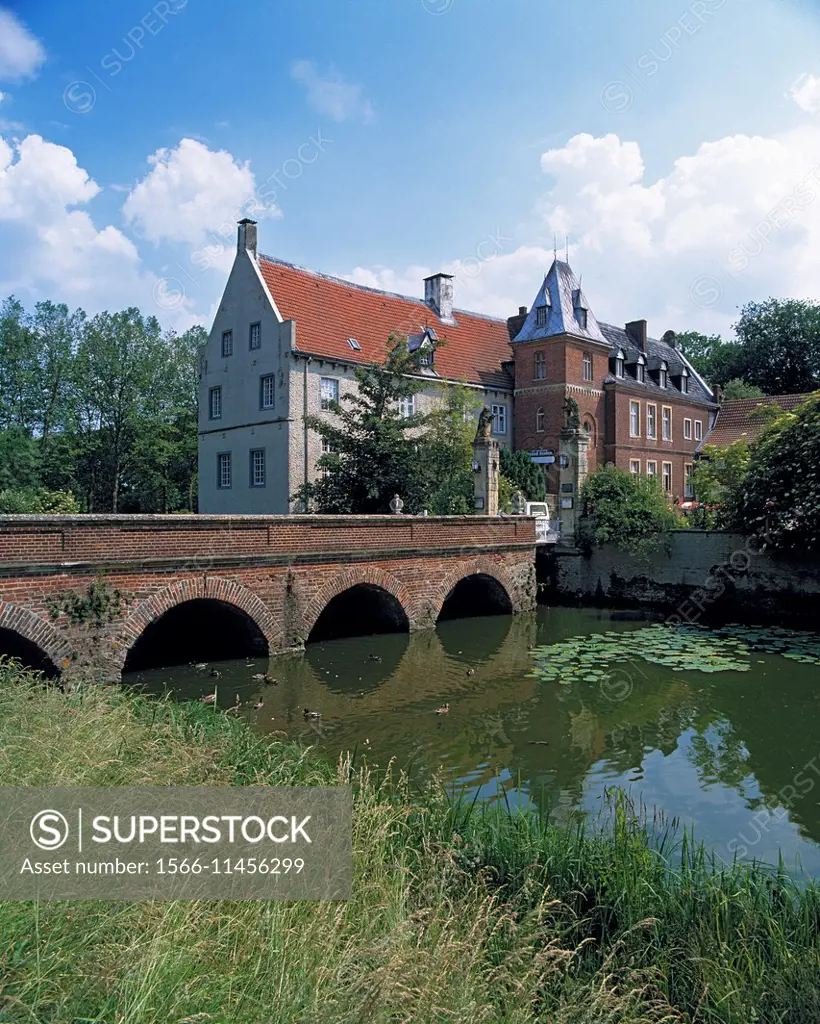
281, 571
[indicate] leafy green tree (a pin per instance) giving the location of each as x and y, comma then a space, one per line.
442, 474
523, 474
779, 496
779, 346
706, 352
15, 501
625, 509
739, 388
19, 459
371, 448
719, 474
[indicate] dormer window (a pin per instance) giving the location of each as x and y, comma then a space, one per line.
619, 363
684, 381
540, 316
581, 317
663, 375
354, 344
640, 370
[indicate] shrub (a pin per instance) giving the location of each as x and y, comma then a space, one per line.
625, 509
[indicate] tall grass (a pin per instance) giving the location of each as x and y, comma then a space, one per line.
460, 913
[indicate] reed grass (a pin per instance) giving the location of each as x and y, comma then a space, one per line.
461, 913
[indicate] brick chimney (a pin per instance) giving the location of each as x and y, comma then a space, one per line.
438, 294
636, 329
246, 236
515, 323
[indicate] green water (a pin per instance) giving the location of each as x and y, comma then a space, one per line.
734, 753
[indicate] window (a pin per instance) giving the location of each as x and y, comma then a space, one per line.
540, 316
688, 481
684, 382
687, 430
329, 391
215, 403
540, 366
640, 371
634, 465
619, 365
667, 476
634, 419
257, 467
354, 344
425, 356
255, 336
227, 343
581, 317
499, 419
407, 407
663, 375
652, 421
587, 366
698, 429
327, 449
223, 470
539, 420
667, 423
267, 391
652, 469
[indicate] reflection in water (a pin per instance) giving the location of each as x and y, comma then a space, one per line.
711, 749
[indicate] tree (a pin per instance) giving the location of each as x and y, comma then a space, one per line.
524, 475
442, 475
707, 353
739, 388
371, 446
625, 509
718, 476
779, 346
779, 496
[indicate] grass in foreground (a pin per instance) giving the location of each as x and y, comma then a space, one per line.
459, 915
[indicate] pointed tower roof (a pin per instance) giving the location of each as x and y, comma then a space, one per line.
567, 311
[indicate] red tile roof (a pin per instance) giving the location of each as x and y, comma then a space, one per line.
736, 418
328, 311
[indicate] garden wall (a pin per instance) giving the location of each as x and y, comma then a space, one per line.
694, 574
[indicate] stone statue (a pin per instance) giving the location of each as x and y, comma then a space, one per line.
485, 425
572, 414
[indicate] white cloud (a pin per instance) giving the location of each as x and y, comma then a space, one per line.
805, 91
330, 94
52, 249
21, 55
195, 195
2, 96
737, 220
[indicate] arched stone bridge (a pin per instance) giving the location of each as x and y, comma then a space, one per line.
95, 594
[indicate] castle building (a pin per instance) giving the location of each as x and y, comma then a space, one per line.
286, 341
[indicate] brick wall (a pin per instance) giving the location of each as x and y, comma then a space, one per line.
280, 570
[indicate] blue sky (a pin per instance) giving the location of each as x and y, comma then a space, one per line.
675, 143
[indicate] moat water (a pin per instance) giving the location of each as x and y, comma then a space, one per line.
718, 729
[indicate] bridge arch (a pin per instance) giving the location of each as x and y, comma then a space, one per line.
47, 649
480, 587
211, 591
383, 602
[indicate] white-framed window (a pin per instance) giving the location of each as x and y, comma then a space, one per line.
587, 367
499, 419
328, 448
257, 467
328, 391
407, 407
215, 403
540, 316
687, 430
667, 476
667, 423
634, 466
698, 430
540, 371
581, 317
619, 364
634, 419
227, 343
224, 474
640, 370
652, 421
688, 480
651, 468
684, 382
255, 336
539, 420
663, 375
267, 391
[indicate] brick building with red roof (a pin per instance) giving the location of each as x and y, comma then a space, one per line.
286, 340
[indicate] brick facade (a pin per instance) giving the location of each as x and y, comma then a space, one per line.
281, 571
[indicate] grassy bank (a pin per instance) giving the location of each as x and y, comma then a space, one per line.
458, 915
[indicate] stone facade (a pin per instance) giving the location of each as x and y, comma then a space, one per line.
281, 571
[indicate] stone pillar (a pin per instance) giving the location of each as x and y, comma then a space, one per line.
486, 461
573, 465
